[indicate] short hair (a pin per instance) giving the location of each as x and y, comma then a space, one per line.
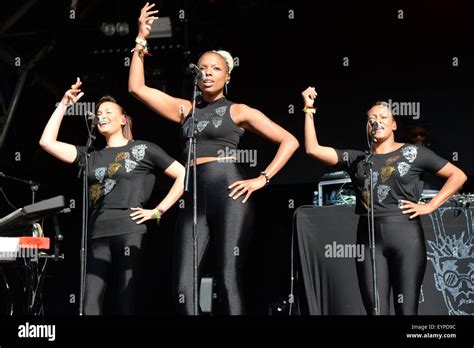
127, 128
383, 103
229, 61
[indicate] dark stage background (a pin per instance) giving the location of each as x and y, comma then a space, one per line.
282, 47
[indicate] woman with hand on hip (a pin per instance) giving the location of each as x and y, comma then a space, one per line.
397, 187
224, 195
120, 183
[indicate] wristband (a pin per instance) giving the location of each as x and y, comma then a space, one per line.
141, 42
142, 51
157, 215
309, 110
266, 177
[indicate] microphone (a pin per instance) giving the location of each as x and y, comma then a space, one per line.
199, 74
375, 126
95, 119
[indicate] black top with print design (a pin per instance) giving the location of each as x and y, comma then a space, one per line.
119, 176
396, 176
216, 132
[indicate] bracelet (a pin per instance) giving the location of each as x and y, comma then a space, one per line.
266, 177
157, 213
142, 51
308, 109
141, 42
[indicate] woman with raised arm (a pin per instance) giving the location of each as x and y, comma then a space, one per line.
224, 204
120, 183
399, 238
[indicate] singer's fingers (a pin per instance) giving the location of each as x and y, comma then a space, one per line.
247, 197
234, 184
142, 220
79, 96
240, 193
236, 189
148, 7
404, 201
150, 18
148, 27
77, 84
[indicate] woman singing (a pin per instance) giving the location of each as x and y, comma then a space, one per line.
399, 240
224, 207
120, 183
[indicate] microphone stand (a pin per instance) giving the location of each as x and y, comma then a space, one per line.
192, 152
84, 170
33, 185
369, 163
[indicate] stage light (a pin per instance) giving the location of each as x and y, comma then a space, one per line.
108, 28
122, 28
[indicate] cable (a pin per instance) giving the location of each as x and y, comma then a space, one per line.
6, 198
367, 134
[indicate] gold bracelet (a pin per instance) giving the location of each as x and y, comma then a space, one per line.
157, 215
309, 110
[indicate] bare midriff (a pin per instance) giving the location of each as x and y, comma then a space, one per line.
201, 160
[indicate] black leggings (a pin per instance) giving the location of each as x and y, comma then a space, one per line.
400, 256
225, 224
117, 258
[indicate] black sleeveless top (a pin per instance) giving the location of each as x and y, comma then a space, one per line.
216, 132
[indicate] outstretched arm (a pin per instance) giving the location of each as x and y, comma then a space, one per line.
160, 102
63, 151
325, 154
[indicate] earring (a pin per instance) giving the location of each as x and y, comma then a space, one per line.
225, 88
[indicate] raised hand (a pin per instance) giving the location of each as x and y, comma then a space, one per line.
309, 95
73, 95
145, 20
